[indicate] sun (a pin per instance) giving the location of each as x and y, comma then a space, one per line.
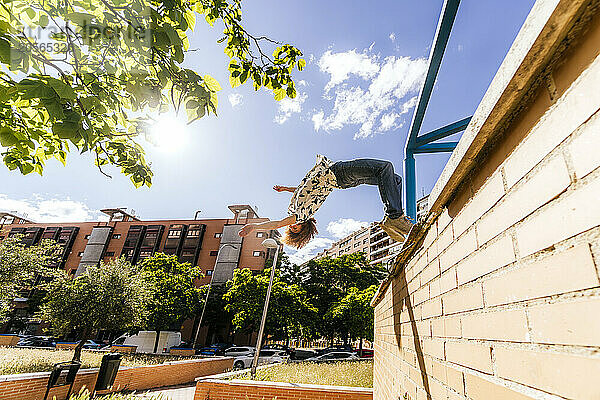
169, 133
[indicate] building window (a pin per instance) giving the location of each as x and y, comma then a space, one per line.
257, 253
260, 234
214, 253
356, 244
209, 272
80, 253
218, 234
117, 236
110, 254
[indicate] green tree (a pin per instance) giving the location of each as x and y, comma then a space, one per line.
108, 296
328, 280
289, 307
353, 314
109, 65
175, 297
21, 267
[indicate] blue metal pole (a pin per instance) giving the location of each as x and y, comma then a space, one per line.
411, 185
449, 10
443, 147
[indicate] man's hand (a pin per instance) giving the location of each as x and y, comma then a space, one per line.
246, 229
279, 188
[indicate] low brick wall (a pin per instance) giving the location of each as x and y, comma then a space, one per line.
123, 348
33, 386
66, 345
9, 340
181, 352
215, 389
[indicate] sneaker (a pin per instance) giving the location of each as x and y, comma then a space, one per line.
401, 224
392, 232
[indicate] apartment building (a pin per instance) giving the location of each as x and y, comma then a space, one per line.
371, 240
212, 244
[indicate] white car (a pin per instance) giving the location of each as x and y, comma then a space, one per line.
238, 351
334, 356
265, 357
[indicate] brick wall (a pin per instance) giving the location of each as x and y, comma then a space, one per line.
33, 386
214, 389
501, 300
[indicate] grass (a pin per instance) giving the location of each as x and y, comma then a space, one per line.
85, 394
358, 374
20, 361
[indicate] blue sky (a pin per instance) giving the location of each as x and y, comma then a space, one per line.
365, 66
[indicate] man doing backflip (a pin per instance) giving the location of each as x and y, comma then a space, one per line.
320, 181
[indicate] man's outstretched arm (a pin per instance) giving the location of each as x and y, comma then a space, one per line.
279, 188
269, 225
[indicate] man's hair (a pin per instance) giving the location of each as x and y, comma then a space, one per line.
300, 239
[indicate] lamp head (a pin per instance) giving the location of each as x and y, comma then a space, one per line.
270, 243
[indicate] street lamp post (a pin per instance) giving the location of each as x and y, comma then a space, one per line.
195, 342
269, 244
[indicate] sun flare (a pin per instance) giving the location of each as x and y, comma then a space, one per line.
168, 133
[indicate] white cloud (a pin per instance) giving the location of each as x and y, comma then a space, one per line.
309, 251
235, 99
393, 37
344, 226
341, 65
378, 107
302, 82
288, 106
40, 209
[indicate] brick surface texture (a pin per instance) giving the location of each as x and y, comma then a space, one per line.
28, 387
503, 297
213, 389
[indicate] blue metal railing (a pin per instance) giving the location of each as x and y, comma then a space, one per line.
416, 144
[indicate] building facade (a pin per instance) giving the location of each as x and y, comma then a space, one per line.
212, 244
371, 240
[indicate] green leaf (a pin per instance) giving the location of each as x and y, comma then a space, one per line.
65, 130
80, 18
44, 20
211, 83
64, 91
279, 94
26, 168
7, 137
301, 64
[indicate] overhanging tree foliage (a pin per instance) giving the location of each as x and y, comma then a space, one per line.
19, 268
174, 297
87, 75
112, 296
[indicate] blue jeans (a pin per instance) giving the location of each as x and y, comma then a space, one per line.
366, 171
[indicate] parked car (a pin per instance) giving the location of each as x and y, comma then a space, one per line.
144, 340
216, 349
238, 351
334, 356
336, 347
38, 341
265, 357
365, 353
90, 344
282, 347
303, 354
